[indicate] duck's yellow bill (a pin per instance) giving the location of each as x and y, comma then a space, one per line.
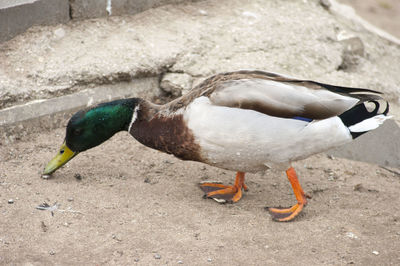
63, 156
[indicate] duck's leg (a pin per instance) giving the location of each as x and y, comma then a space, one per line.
223, 192
288, 214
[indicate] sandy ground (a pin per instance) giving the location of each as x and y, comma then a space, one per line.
122, 203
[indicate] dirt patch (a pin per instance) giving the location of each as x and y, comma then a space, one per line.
381, 13
122, 203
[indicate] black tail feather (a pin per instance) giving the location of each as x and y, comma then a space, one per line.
359, 113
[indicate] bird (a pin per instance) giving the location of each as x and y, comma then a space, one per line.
243, 121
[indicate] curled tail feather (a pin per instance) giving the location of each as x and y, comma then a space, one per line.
359, 120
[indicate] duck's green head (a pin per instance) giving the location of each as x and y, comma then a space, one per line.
91, 127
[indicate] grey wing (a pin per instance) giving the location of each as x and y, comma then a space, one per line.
285, 97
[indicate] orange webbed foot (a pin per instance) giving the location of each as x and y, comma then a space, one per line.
223, 193
285, 214
288, 214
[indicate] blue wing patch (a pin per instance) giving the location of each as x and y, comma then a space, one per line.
302, 118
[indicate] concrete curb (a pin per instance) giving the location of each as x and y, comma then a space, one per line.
84, 9
16, 16
380, 146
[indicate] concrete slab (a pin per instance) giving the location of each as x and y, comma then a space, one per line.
17, 16
120, 7
84, 9
381, 146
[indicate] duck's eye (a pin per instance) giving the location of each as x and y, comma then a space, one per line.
62, 151
78, 132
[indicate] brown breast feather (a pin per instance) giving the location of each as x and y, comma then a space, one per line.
166, 133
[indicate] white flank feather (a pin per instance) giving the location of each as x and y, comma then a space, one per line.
369, 124
249, 141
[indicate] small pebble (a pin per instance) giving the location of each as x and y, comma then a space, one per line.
358, 187
209, 260
46, 176
203, 12
59, 33
52, 252
180, 262
157, 256
136, 260
43, 226
10, 201
70, 199
78, 176
325, 3
313, 250
330, 156
116, 237
351, 235
375, 252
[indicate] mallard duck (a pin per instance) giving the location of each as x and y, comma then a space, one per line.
245, 121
